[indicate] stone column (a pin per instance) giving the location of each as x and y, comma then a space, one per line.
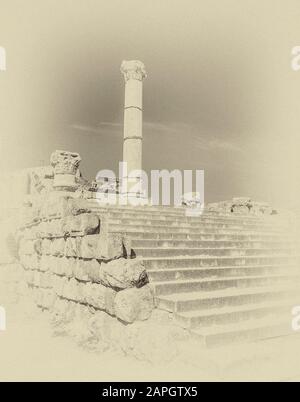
134, 73
65, 165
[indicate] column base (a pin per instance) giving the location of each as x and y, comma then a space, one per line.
65, 182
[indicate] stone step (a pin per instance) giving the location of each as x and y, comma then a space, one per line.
162, 219
149, 243
234, 314
176, 229
174, 211
222, 252
209, 284
95, 204
192, 225
203, 217
219, 272
142, 235
246, 331
221, 298
197, 262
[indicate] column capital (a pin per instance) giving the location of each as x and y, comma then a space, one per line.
65, 162
133, 69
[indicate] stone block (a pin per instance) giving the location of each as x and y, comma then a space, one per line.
30, 216
242, 201
110, 246
55, 264
92, 267
42, 279
60, 265
59, 283
37, 246
46, 280
127, 246
58, 247
73, 290
68, 265
134, 304
72, 248
123, 273
56, 206
99, 297
45, 263
50, 229
46, 246
240, 209
89, 246
42, 230
104, 246
51, 263
81, 271
80, 225
56, 228
77, 206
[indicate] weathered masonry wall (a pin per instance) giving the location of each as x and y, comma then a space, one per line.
70, 259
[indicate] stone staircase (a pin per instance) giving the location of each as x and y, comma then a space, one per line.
224, 277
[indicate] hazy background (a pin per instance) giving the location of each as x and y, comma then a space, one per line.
220, 93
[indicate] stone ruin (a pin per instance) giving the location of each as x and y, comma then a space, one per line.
69, 256
77, 269
71, 263
78, 263
242, 206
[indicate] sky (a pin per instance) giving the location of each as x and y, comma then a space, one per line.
220, 93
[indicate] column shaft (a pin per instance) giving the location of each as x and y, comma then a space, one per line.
134, 72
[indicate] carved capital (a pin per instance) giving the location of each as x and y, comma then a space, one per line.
133, 70
64, 162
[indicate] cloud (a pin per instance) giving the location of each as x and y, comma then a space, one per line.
225, 145
166, 127
101, 128
201, 140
